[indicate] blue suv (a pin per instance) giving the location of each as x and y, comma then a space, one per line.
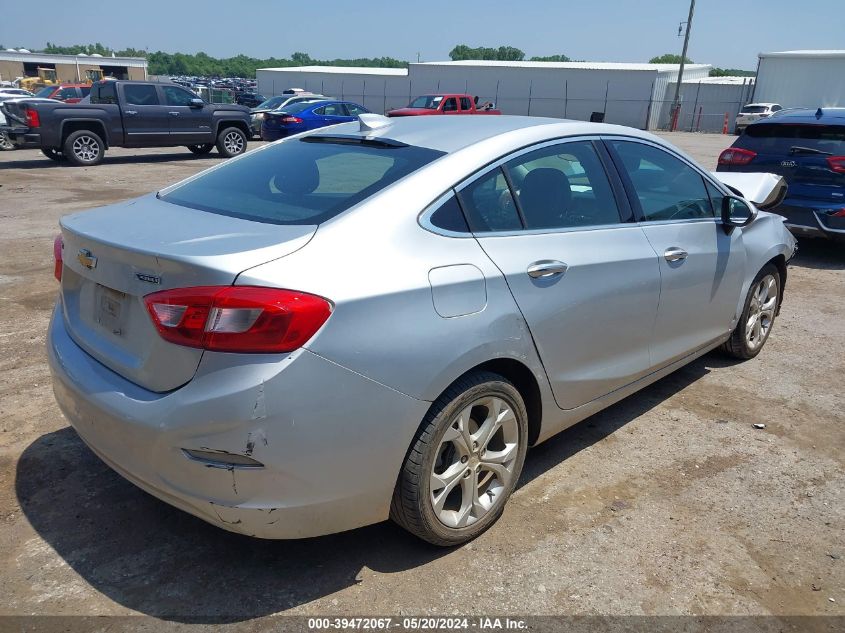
807, 148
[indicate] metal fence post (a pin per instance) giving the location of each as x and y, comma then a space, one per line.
530, 91
694, 106
342, 82
384, 101
565, 96
606, 90
496, 98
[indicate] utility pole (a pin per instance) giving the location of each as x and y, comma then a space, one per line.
676, 103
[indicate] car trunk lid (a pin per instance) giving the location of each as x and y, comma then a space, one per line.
115, 255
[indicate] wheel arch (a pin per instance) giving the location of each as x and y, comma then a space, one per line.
241, 125
91, 125
526, 384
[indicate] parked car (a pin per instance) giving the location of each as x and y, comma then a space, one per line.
445, 104
249, 99
126, 114
752, 112
69, 93
807, 148
278, 102
307, 115
15, 93
379, 319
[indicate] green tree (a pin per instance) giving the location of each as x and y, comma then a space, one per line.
551, 58
731, 72
669, 58
503, 53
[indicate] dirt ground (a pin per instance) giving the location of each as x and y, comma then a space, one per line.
668, 503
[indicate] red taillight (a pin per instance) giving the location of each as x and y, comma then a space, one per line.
736, 156
247, 319
837, 214
837, 164
291, 119
58, 245
32, 118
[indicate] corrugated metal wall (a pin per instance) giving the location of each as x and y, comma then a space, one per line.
624, 96
801, 81
704, 104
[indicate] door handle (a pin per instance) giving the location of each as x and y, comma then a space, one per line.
130, 112
675, 254
173, 113
546, 268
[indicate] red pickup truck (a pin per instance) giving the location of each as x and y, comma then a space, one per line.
445, 104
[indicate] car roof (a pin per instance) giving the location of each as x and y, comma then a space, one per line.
451, 133
760, 103
806, 115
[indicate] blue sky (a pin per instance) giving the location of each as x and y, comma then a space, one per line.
725, 33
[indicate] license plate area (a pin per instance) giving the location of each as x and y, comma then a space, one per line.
110, 309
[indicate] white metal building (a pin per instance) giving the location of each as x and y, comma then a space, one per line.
705, 102
623, 93
797, 79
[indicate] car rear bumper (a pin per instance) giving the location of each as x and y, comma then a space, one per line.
812, 219
329, 442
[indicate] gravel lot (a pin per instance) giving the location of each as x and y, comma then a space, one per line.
667, 503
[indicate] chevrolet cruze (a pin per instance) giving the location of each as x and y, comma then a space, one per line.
378, 319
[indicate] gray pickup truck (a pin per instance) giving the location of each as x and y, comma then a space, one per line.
126, 114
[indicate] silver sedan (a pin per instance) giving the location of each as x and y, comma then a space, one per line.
378, 319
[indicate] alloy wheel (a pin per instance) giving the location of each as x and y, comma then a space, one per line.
474, 462
233, 142
761, 312
86, 148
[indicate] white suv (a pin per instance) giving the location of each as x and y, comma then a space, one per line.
752, 112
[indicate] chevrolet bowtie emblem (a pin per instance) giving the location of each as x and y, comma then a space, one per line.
86, 258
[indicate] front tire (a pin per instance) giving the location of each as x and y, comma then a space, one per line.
464, 462
231, 142
201, 150
84, 148
758, 315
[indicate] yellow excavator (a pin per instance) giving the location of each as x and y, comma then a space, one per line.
93, 75
46, 77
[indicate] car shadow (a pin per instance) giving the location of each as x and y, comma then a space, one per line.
819, 254
42, 162
157, 560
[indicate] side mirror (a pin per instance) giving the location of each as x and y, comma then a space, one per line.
196, 103
736, 212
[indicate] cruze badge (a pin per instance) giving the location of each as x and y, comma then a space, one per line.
86, 258
150, 279
788, 163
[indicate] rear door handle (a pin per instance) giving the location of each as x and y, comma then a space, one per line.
130, 112
675, 254
173, 113
546, 268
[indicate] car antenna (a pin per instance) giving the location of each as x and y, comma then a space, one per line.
370, 122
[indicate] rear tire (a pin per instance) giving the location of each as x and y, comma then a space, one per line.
84, 148
6, 144
200, 150
231, 142
464, 462
53, 154
758, 315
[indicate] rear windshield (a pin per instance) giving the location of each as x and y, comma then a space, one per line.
294, 108
45, 92
299, 181
749, 109
272, 102
780, 138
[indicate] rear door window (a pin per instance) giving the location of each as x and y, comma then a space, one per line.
466, 104
104, 93
140, 94
563, 186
